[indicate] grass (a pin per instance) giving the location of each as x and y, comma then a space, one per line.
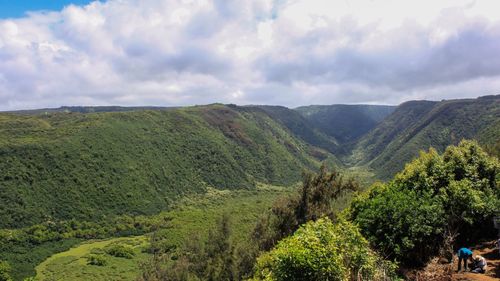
194, 214
72, 264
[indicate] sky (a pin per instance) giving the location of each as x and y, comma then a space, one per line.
280, 52
19, 8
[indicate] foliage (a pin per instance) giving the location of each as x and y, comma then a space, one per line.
212, 260
5, 270
305, 129
88, 167
220, 257
322, 250
98, 260
25, 248
68, 265
346, 123
418, 125
119, 251
314, 200
435, 195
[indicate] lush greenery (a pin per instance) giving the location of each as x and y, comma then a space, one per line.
175, 228
96, 259
80, 173
435, 199
221, 257
5, 270
63, 166
306, 130
418, 125
322, 250
119, 251
315, 199
345, 123
89, 261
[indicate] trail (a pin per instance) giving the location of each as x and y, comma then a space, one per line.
489, 251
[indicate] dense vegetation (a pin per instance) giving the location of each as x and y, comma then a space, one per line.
80, 173
345, 123
435, 203
421, 124
218, 256
89, 166
193, 215
304, 129
322, 250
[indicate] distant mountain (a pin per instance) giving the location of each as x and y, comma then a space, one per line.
87, 166
418, 125
345, 123
88, 109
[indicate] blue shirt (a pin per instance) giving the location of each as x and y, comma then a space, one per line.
464, 253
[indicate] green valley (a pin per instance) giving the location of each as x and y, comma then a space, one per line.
75, 180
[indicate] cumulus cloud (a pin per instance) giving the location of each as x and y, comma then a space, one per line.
295, 52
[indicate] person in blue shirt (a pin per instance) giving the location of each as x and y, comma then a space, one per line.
463, 255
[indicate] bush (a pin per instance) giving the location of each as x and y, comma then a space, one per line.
5, 271
314, 200
98, 260
454, 194
322, 250
120, 251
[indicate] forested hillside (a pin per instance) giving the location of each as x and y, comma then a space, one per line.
418, 125
87, 166
303, 128
345, 122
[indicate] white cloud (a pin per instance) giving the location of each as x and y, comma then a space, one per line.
181, 52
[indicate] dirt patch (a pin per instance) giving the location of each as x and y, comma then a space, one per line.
490, 252
440, 270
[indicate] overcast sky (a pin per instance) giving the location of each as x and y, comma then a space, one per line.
185, 52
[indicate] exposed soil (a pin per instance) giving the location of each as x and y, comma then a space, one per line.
489, 251
440, 270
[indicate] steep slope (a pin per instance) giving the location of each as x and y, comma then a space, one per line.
345, 123
418, 125
87, 166
302, 128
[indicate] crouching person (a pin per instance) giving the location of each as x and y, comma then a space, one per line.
479, 265
464, 255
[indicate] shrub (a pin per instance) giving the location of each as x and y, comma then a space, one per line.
120, 251
454, 194
5, 270
322, 250
98, 260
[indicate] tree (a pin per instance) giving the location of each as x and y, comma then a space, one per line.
433, 200
313, 201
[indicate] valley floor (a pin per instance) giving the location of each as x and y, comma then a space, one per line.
72, 264
193, 215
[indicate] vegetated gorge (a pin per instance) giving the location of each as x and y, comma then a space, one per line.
226, 192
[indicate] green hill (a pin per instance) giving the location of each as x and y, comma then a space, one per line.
418, 125
88, 166
303, 128
346, 123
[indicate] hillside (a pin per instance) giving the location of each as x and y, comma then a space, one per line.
346, 123
418, 125
88, 166
303, 128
